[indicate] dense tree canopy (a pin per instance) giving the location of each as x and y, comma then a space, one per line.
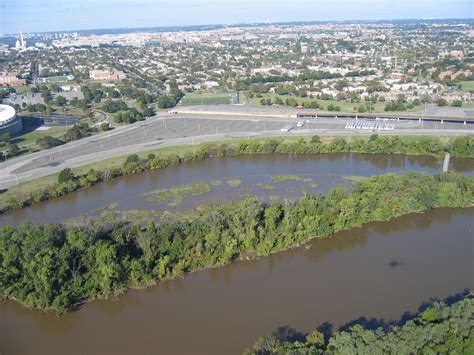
57, 266
440, 329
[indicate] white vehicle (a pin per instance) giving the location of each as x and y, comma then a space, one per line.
300, 124
287, 128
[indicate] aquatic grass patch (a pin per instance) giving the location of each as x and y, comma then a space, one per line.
177, 194
216, 182
109, 215
233, 182
313, 185
280, 178
138, 217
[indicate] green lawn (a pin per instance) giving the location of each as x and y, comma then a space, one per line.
29, 139
207, 99
467, 85
346, 107
21, 89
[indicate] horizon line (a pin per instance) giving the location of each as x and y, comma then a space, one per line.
238, 24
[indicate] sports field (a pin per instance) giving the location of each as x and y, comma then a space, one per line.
207, 99
467, 85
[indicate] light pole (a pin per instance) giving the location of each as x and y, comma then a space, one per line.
423, 116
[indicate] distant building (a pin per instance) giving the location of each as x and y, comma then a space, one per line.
10, 79
397, 76
107, 75
456, 54
9, 121
20, 43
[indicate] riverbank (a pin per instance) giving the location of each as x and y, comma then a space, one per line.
56, 266
46, 188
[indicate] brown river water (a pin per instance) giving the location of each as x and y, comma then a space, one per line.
327, 170
378, 272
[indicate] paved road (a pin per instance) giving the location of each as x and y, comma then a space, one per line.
168, 130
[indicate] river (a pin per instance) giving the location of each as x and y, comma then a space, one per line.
379, 271
325, 170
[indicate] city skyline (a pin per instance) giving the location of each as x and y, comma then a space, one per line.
50, 15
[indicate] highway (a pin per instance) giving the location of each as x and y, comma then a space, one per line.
176, 129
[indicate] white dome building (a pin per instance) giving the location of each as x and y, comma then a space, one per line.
9, 121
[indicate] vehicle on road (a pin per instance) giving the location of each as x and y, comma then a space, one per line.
287, 128
300, 124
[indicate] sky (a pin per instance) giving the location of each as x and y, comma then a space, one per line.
57, 15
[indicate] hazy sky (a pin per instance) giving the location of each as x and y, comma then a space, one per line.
52, 15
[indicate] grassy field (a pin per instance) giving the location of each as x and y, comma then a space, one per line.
29, 140
346, 107
467, 85
207, 99
21, 89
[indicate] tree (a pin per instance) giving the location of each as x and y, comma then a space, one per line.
79, 131
457, 103
430, 315
315, 338
13, 150
66, 175
166, 102
104, 126
60, 101
48, 142
315, 139
46, 95
6, 137
132, 158
442, 102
